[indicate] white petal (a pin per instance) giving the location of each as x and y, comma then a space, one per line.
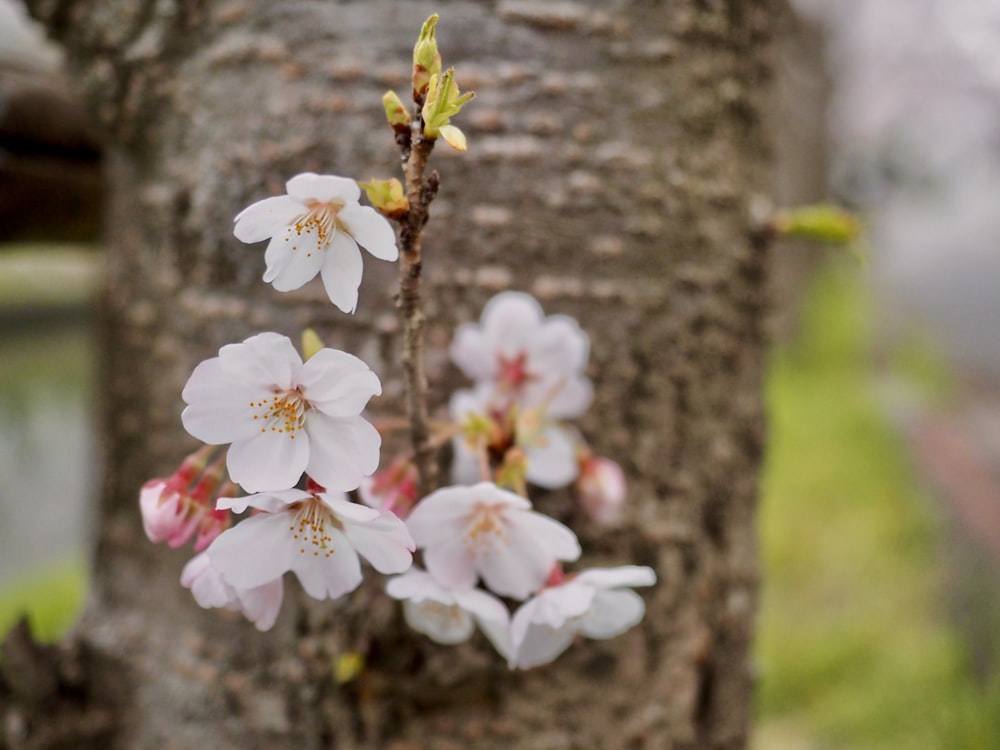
467, 401
268, 461
206, 584
552, 458
337, 383
571, 400
267, 361
262, 604
294, 257
272, 502
219, 409
342, 450
255, 551
384, 542
559, 347
447, 624
341, 272
473, 353
541, 645
451, 563
486, 608
612, 613
371, 230
546, 533
331, 577
417, 584
347, 511
440, 516
509, 320
625, 575
310, 186
266, 218
465, 467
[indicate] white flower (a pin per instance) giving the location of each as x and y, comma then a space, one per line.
316, 536
592, 603
284, 417
449, 615
483, 530
549, 448
260, 604
526, 357
317, 228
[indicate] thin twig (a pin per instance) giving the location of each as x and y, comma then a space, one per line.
420, 191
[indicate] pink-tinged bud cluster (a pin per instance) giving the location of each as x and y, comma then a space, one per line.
183, 506
393, 489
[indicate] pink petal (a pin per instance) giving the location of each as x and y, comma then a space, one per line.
546, 533
518, 571
266, 218
371, 230
440, 516
308, 186
341, 272
268, 461
342, 450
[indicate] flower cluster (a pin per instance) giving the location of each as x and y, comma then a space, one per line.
285, 440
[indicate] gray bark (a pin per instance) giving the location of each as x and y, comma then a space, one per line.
615, 153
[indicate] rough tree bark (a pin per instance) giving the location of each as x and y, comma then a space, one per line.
616, 152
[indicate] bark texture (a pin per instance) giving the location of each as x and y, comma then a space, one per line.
616, 152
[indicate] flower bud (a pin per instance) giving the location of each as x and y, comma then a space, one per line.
166, 514
443, 102
426, 58
818, 223
396, 112
600, 489
387, 196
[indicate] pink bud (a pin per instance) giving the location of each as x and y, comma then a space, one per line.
600, 489
393, 489
165, 514
210, 526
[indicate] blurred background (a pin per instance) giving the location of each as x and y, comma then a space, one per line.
880, 515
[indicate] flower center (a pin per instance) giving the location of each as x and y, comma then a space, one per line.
284, 412
311, 526
321, 219
513, 371
486, 530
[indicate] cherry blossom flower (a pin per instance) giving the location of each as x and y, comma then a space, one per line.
549, 448
449, 615
318, 536
316, 229
285, 417
260, 604
600, 488
594, 603
482, 530
527, 358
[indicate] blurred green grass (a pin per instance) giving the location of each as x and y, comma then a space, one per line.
50, 598
853, 644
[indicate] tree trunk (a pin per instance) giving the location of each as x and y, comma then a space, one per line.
615, 154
